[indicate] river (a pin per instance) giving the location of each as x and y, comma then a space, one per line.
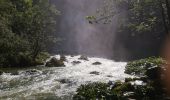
51, 83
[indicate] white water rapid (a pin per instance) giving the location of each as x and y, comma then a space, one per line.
55, 83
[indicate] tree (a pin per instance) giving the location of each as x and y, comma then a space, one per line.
143, 23
136, 8
26, 27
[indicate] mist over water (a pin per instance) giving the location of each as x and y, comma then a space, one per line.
79, 36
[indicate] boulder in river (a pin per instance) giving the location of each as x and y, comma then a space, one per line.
15, 73
63, 58
54, 62
64, 81
109, 76
32, 72
83, 58
76, 62
96, 63
95, 72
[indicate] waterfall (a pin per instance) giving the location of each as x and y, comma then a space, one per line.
80, 37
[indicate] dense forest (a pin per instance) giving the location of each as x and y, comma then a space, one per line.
84, 50
26, 27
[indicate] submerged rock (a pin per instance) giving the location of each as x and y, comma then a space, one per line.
96, 63
76, 62
72, 55
83, 58
95, 72
15, 73
64, 81
32, 72
109, 76
54, 62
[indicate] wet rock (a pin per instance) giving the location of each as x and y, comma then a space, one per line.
76, 62
32, 72
64, 81
45, 72
83, 58
111, 82
96, 63
63, 58
15, 73
54, 62
109, 76
95, 73
72, 55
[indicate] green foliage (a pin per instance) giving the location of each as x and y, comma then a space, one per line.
150, 89
118, 91
94, 91
26, 27
135, 16
139, 67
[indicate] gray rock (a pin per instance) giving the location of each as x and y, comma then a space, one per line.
83, 58
32, 72
109, 76
64, 81
15, 73
95, 72
54, 62
76, 62
72, 55
96, 63
63, 58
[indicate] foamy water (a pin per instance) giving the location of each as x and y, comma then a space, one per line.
59, 82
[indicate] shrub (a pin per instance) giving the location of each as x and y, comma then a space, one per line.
139, 67
93, 91
148, 71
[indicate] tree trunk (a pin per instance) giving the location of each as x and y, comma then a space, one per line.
168, 13
36, 50
168, 9
163, 17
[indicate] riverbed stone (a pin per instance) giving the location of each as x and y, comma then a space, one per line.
109, 76
63, 58
76, 62
32, 72
95, 72
15, 73
83, 58
96, 63
54, 62
64, 81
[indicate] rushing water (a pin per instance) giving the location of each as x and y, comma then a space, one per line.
43, 83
